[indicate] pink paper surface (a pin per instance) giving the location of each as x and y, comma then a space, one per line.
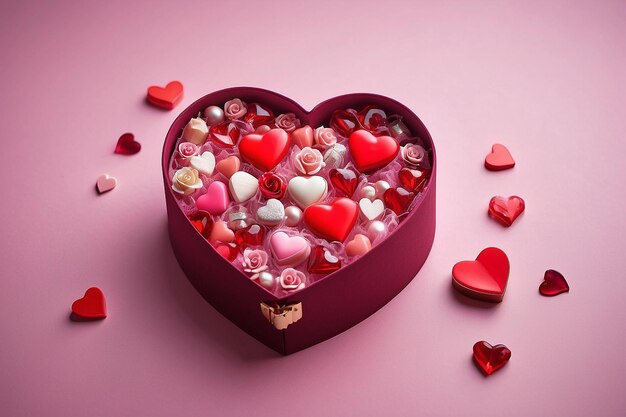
547, 79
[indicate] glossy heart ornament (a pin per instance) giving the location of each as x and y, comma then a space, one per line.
554, 283
127, 145
499, 159
506, 210
92, 305
371, 152
338, 296
166, 97
333, 221
485, 278
266, 150
490, 358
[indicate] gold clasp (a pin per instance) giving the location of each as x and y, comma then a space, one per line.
282, 316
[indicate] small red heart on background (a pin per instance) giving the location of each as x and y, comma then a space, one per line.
371, 152
127, 145
554, 283
506, 210
485, 278
267, 150
168, 97
490, 358
499, 159
92, 305
334, 221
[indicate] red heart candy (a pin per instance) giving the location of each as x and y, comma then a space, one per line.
334, 221
258, 115
92, 305
321, 261
203, 223
413, 179
344, 122
168, 97
485, 278
127, 145
500, 158
250, 236
225, 134
345, 180
266, 150
490, 358
371, 152
371, 117
554, 283
506, 210
398, 199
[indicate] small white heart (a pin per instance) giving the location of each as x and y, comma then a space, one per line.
371, 209
306, 191
204, 163
105, 183
243, 186
272, 213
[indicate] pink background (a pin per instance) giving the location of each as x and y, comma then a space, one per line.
545, 78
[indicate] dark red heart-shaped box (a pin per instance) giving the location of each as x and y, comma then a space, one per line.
341, 299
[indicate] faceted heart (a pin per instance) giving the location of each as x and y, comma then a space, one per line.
506, 210
250, 236
267, 150
398, 199
413, 179
258, 115
371, 152
554, 283
500, 158
344, 122
225, 134
334, 221
321, 261
485, 278
203, 223
371, 118
345, 180
168, 97
490, 358
127, 145
92, 305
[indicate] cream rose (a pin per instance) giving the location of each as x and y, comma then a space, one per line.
325, 137
254, 262
415, 155
288, 122
291, 279
235, 109
308, 161
186, 181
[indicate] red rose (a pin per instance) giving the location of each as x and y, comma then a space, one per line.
272, 186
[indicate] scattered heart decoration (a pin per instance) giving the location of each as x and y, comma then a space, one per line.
490, 358
91, 306
506, 210
554, 283
105, 183
127, 145
485, 278
499, 159
166, 97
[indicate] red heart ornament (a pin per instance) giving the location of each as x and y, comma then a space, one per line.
258, 115
266, 150
344, 180
490, 358
334, 221
168, 97
225, 135
499, 159
371, 152
506, 210
127, 145
485, 278
413, 179
554, 283
398, 199
321, 261
92, 305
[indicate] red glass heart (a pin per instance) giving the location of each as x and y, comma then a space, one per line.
413, 179
266, 150
321, 261
225, 134
228, 251
250, 236
506, 210
258, 115
490, 358
485, 278
371, 152
554, 283
127, 145
272, 186
372, 118
334, 221
344, 122
398, 199
345, 180
203, 223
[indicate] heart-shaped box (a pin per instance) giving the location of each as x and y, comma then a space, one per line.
339, 300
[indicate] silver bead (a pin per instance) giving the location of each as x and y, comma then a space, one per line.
213, 115
375, 230
293, 215
266, 279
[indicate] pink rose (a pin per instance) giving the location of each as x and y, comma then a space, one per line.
235, 109
415, 155
254, 262
308, 161
325, 137
291, 279
288, 122
187, 150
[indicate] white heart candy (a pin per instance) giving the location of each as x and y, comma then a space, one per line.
306, 191
243, 186
272, 213
204, 163
371, 209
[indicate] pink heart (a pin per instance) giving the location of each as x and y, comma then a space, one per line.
221, 233
215, 200
105, 183
360, 245
227, 167
303, 136
289, 250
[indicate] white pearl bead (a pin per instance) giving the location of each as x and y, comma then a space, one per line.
213, 115
375, 230
368, 192
266, 279
381, 187
293, 215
